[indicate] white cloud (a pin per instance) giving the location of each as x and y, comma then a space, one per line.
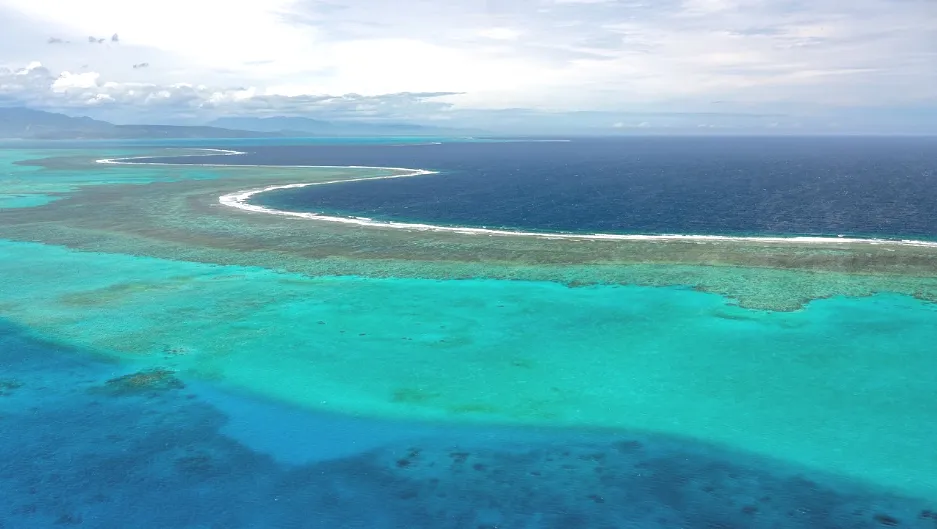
637, 125
67, 80
584, 1
557, 55
500, 33
701, 7
38, 87
213, 32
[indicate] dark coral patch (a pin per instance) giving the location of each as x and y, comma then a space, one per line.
8, 385
459, 457
150, 380
628, 446
886, 520
194, 464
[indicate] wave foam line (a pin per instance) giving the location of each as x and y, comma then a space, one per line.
213, 152
240, 200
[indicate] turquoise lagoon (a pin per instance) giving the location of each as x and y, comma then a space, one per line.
843, 389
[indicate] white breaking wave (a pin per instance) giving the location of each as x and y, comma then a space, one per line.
240, 200
212, 152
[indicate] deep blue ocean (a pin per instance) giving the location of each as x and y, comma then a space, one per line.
740, 186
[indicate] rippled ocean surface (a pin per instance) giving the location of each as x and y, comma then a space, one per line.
740, 186
140, 391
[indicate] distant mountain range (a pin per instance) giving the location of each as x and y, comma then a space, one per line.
316, 127
24, 123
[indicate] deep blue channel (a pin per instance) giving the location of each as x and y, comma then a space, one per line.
787, 186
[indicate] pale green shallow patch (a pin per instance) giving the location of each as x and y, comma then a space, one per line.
846, 385
27, 186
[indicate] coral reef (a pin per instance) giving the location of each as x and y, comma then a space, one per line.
150, 380
74, 458
8, 386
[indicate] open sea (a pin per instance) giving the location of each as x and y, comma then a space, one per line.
144, 385
882, 187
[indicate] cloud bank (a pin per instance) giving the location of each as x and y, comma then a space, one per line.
779, 64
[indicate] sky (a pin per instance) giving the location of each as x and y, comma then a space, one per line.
606, 66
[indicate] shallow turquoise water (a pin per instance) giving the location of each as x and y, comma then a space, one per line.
857, 374
80, 451
27, 186
295, 385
